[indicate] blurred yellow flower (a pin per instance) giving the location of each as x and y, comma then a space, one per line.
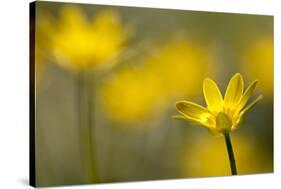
43, 33
221, 115
128, 96
146, 90
258, 63
79, 43
179, 65
207, 157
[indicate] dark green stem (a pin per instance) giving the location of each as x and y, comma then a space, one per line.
85, 112
230, 154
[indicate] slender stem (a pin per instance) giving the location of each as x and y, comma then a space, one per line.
85, 125
230, 154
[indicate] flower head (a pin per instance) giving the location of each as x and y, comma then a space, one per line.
148, 84
222, 115
80, 43
258, 61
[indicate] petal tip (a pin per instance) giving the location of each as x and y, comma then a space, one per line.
179, 105
255, 82
207, 79
238, 76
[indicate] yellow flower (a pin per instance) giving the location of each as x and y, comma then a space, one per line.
172, 65
146, 89
221, 116
258, 63
43, 34
79, 43
136, 95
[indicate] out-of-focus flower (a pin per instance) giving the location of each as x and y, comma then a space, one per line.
221, 115
128, 96
179, 66
43, 33
171, 71
207, 157
258, 63
80, 43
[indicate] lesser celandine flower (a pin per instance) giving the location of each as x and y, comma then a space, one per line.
222, 115
258, 63
157, 80
172, 64
136, 95
43, 34
80, 43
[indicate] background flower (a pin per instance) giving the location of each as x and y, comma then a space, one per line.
162, 76
208, 157
43, 34
80, 43
258, 63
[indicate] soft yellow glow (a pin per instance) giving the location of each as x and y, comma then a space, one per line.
43, 34
128, 96
80, 43
207, 157
220, 115
180, 64
258, 63
170, 71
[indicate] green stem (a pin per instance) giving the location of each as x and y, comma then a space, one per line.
230, 154
85, 112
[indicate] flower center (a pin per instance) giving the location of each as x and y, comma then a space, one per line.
223, 123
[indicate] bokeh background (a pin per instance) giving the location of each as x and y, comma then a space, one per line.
108, 77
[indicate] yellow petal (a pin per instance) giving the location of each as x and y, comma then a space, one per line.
178, 117
223, 123
248, 93
250, 106
238, 123
212, 95
182, 117
240, 120
215, 132
234, 92
72, 17
195, 112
